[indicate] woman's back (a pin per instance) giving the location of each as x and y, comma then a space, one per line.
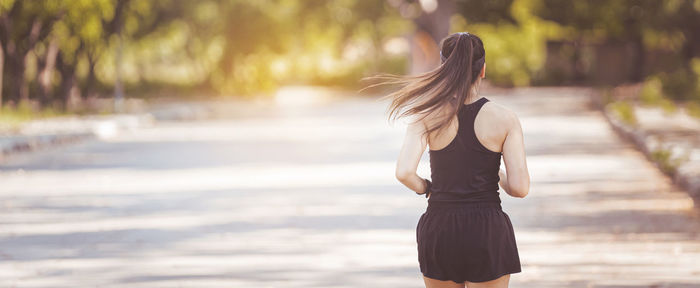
466, 168
494, 130
490, 125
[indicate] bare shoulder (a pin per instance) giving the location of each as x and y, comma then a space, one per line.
415, 124
501, 115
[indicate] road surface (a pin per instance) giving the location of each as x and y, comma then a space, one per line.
303, 195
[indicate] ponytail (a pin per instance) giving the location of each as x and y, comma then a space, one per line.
441, 91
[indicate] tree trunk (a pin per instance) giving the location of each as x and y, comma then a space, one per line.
22, 83
118, 86
116, 26
431, 27
45, 76
16, 77
639, 59
67, 71
91, 78
17, 56
2, 68
34, 34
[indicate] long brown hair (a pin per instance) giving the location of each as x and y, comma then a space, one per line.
442, 89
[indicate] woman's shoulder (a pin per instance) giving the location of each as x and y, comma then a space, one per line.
500, 114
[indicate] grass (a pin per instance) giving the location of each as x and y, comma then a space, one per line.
652, 94
624, 111
13, 117
693, 109
663, 157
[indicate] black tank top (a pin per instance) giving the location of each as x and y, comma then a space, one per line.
465, 170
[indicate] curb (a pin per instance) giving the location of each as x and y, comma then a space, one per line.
684, 176
18, 144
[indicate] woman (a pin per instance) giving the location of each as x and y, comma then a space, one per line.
464, 238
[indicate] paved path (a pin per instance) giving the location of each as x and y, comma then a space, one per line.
305, 197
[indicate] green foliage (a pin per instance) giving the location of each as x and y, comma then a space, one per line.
515, 51
693, 109
681, 84
695, 66
234, 47
652, 94
662, 89
624, 111
668, 106
12, 117
293, 41
653, 27
662, 157
241, 47
666, 161
493, 11
599, 20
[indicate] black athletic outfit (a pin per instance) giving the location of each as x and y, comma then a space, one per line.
463, 234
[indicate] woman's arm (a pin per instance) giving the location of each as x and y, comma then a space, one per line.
516, 180
503, 180
414, 145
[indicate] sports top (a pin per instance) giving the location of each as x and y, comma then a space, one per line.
465, 170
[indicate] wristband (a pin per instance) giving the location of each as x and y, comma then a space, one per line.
427, 188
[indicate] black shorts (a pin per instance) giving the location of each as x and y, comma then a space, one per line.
466, 242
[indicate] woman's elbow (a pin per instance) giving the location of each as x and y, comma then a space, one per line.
403, 175
520, 190
519, 193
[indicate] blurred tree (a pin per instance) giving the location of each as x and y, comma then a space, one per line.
431, 19
601, 21
644, 24
233, 46
679, 19
23, 24
492, 12
83, 34
513, 37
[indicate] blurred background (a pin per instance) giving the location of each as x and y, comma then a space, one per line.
172, 143
60, 55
